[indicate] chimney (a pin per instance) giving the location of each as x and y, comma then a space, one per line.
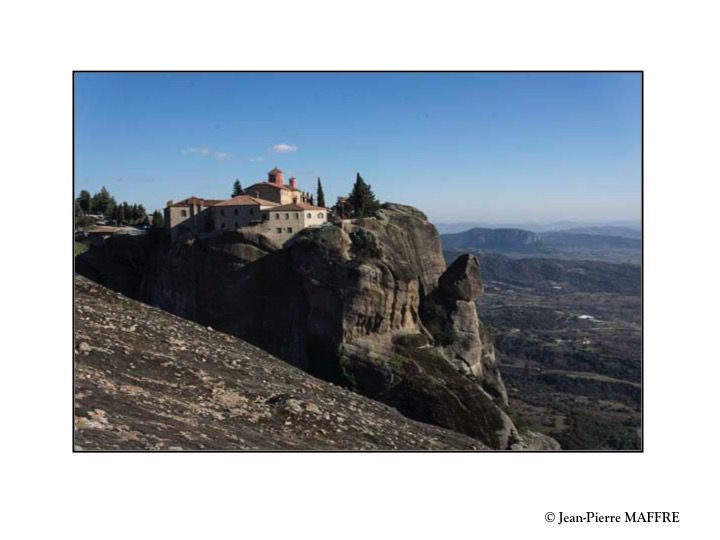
293, 182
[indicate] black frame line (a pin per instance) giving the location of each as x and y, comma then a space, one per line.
282, 451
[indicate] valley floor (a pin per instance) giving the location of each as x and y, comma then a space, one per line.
571, 362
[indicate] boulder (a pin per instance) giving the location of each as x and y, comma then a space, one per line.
462, 281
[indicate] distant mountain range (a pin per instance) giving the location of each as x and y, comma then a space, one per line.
614, 228
493, 240
625, 245
625, 232
570, 276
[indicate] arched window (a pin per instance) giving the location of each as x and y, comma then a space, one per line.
320, 214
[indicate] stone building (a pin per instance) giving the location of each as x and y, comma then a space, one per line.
254, 209
190, 214
275, 189
240, 211
281, 222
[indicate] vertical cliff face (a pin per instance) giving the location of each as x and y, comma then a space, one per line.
470, 347
369, 305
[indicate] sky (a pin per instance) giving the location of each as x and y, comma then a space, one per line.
484, 147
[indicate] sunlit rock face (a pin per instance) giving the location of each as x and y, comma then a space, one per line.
368, 305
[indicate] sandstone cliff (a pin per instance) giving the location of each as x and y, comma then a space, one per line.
147, 380
369, 305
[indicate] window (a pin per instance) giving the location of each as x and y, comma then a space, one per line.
320, 215
289, 229
222, 225
287, 216
222, 212
297, 216
251, 211
183, 213
236, 225
236, 211
309, 215
277, 216
279, 230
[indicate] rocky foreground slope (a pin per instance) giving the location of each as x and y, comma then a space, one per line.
148, 380
369, 306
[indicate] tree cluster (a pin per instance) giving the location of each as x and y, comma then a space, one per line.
360, 203
104, 204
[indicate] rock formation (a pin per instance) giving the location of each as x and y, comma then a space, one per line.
147, 380
469, 346
368, 305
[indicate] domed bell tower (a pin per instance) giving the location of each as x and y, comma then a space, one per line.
276, 177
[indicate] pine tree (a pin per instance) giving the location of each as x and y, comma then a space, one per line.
237, 189
84, 201
362, 200
320, 194
102, 202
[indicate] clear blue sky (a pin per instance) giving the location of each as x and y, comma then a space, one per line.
461, 146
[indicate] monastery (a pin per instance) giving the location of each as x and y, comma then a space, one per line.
276, 209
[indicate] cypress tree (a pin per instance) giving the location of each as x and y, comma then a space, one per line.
320, 194
237, 189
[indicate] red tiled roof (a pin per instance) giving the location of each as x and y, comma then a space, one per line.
196, 200
270, 185
243, 200
295, 207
